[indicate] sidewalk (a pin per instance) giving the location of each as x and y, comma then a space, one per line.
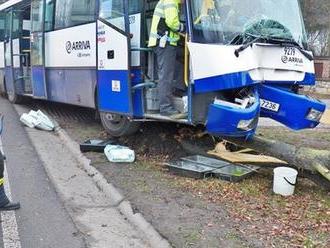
95, 214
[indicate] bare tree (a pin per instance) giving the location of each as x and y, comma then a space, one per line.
317, 21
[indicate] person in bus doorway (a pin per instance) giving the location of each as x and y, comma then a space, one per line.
164, 37
5, 203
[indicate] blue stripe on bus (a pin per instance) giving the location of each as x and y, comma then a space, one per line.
138, 108
238, 80
223, 82
309, 79
38, 82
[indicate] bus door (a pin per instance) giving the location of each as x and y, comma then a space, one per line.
9, 67
38, 49
17, 53
113, 65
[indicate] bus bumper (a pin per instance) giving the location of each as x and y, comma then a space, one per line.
226, 121
294, 111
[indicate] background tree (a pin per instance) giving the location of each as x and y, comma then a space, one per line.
317, 21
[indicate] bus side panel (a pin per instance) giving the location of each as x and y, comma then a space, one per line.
70, 61
114, 91
73, 86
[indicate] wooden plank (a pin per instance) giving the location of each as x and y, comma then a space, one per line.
326, 117
237, 157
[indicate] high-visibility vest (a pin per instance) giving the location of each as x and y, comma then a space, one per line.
165, 18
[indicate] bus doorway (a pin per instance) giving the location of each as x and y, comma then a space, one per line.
38, 8
179, 86
17, 53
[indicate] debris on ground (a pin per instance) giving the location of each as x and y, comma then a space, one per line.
119, 154
200, 167
95, 145
213, 213
326, 117
37, 119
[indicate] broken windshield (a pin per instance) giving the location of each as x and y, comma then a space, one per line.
220, 21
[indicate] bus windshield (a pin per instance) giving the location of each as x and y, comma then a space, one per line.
221, 21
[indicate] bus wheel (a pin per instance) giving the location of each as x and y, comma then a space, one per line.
118, 125
14, 98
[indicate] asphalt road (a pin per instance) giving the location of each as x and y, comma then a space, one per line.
42, 220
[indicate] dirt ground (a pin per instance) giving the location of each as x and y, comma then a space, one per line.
210, 212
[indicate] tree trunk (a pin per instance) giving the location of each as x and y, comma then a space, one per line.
312, 160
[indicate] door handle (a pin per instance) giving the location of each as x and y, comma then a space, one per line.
111, 54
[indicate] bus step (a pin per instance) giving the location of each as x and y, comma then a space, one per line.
164, 118
29, 94
22, 77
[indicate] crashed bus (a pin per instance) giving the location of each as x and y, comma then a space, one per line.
239, 61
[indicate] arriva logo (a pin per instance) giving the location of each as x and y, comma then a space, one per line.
77, 45
297, 61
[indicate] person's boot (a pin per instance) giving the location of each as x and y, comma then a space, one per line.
5, 204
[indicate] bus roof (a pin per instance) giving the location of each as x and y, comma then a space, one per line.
9, 4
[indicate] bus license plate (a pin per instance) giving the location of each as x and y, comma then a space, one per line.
272, 106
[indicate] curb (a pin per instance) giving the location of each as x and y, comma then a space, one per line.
119, 202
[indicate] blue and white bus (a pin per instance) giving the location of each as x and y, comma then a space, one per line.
239, 60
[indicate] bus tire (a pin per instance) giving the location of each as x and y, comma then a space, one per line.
14, 98
118, 125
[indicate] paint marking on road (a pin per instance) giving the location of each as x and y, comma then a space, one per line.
9, 224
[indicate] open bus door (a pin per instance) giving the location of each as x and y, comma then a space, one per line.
38, 49
113, 65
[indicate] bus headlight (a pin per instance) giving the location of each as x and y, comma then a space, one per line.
314, 115
246, 124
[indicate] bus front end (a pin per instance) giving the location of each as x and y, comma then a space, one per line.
251, 58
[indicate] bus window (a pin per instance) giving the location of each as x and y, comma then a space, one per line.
16, 25
37, 8
49, 15
2, 26
113, 11
74, 12
8, 58
135, 6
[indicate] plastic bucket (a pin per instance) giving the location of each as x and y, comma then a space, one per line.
284, 180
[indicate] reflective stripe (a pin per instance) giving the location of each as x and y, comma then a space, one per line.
169, 5
153, 35
169, 39
160, 14
2, 180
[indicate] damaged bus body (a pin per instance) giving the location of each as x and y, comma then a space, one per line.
240, 60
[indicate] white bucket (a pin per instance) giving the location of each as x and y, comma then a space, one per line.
284, 180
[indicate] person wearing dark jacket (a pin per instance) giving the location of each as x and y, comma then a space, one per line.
5, 203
